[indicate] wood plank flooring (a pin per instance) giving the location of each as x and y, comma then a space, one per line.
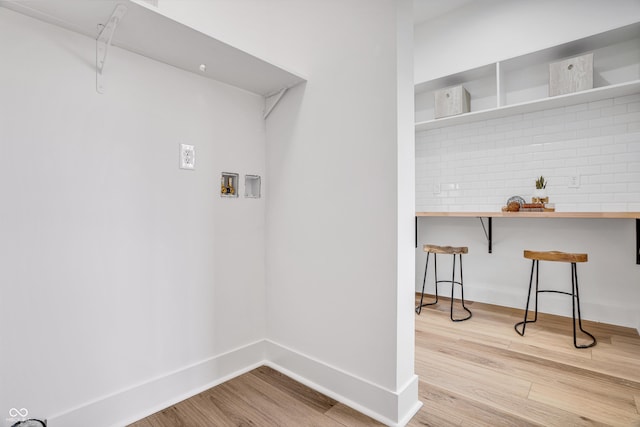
261, 397
473, 373
481, 373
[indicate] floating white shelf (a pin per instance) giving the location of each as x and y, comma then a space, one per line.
520, 85
621, 89
147, 31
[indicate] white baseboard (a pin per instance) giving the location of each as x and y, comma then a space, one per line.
387, 406
141, 400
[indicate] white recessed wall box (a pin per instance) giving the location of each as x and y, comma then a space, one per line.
252, 185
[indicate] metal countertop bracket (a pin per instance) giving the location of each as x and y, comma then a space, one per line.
488, 232
638, 241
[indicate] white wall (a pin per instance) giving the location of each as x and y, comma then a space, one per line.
120, 273
492, 160
334, 260
609, 289
406, 201
114, 238
334, 293
487, 31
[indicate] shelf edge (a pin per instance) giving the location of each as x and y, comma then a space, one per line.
621, 89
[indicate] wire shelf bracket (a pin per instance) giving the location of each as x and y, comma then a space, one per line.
103, 42
271, 101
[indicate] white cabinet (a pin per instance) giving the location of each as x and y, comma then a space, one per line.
521, 84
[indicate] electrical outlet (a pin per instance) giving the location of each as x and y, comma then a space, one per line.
436, 188
187, 157
574, 181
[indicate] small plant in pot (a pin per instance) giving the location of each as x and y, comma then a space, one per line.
540, 194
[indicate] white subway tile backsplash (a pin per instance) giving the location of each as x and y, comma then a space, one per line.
614, 207
479, 165
615, 110
629, 137
619, 158
601, 104
515, 133
628, 118
588, 115
627, 197
601, 160
633, 107
601, 198
633, 166
628, 177
602, 121
550, 120
634, 187
615, 148
589, 151
587, 132
614, 188
627, 99
600, 141
554, 128
553, 137
576, 108
614, 129
602, 179
532, 116
577, 125
523, 124
576, 162
614, 168
634, 147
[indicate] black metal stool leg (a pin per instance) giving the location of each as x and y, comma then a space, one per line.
576, 301
534, 266
435, 275
453, 285
424, 281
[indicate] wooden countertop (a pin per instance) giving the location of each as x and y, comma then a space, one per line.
533, 214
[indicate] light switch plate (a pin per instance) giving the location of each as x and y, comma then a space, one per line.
187, 157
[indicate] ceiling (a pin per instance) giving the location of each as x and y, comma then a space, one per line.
425, 10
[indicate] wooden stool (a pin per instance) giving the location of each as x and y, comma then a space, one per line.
575, 297
444, 250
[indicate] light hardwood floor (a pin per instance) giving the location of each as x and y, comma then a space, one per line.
262, 397
473, 373
482, 373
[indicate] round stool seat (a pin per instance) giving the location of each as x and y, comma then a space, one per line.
555, 256
447, 250
567, 257
456, 252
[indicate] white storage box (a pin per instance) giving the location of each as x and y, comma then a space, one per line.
451, 101
571, 75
